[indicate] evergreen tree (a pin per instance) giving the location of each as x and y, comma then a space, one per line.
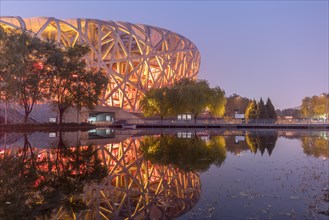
261, 110
270, 109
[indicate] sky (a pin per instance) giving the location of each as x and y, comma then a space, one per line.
257, 49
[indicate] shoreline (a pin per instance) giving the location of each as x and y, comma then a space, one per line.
239, 126
85, 127
45, 127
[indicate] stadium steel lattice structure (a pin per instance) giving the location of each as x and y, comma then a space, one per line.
133, 187
135, 57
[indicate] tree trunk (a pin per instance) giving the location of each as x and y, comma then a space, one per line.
61, 113
27, 113
60, 140
26, 117
195, 117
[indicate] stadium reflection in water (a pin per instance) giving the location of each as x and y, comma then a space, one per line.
96, 181
151, 174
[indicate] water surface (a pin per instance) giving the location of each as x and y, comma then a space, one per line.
184, 174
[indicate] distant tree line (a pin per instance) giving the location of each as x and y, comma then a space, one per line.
290, 112
32, 71
196, 97
185, 96
311, 107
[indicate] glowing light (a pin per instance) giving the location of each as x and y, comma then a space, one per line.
38, 65
134, 57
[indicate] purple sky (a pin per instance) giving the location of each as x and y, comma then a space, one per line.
276, 49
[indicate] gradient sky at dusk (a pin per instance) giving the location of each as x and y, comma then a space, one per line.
276, 49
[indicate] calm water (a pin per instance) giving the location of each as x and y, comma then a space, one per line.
165, 174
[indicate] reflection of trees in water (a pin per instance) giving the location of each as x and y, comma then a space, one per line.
92, 182
316, 146
37, 181
8, 138
236, 147
261, 140
185, 153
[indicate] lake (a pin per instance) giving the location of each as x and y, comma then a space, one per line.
165, 174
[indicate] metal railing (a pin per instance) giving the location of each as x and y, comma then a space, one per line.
218, 121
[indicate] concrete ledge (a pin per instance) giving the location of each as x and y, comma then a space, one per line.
237, 126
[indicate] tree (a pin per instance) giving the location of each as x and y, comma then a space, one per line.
236, 102
315, 146
4, 96
190, 154
192, 96
40, 186
251, 111
306, 108
73, 85
315, 106
217, 102
155, 102
185, 96
23, 74
320, 105
261, 140
3, 64
261, 110
295, 113
270, 109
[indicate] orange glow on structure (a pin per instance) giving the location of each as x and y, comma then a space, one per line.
134, 57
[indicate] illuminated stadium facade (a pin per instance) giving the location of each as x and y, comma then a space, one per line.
135, 57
